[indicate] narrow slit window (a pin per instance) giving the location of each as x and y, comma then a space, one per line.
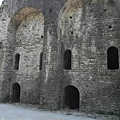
17, 59
112, 58
67, 60
41, 57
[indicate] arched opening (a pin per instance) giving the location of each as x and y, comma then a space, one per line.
112, 58
17, 59
18, 36
16, 92
67, 60
41, 56
71, 97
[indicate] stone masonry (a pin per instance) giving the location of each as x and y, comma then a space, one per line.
61, 53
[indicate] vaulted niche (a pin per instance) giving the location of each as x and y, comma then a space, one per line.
28, 30
112, 58
70, 30
70, 16
26, 37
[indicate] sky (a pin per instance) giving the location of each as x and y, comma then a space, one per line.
1, 2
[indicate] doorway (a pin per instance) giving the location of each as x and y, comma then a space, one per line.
16, 92
72, 97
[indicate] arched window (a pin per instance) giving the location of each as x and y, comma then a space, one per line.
67, 60
112, 58
40, 64
17, 59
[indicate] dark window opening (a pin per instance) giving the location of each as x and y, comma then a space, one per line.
112, 58
41, 56
110, 26
67, 59
118, 87
17, 59
72, 97
71, 32
24, 26
0, 44
105, 10
16, 92
3, 19
50, 10
41, 36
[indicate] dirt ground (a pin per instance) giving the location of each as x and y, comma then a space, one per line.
20, 111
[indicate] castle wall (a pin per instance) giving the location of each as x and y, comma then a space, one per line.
87, 29
4, 48
29, 44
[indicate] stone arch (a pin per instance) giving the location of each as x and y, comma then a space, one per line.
70, 26
22, 15
14, 33
112, 58
68, 9
17, 44
71, 97
16, 89
68, 13
25, 13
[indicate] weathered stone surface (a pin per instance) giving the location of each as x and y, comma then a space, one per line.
86, 27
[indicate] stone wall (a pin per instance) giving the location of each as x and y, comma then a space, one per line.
86, 28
